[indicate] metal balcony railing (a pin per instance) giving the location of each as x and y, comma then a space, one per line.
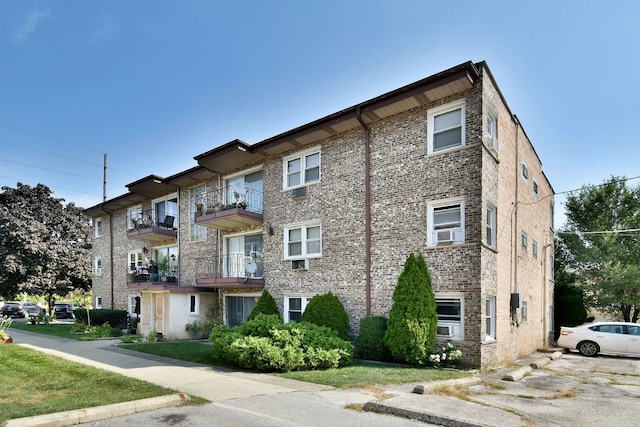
140, 220
227, 198
230, 266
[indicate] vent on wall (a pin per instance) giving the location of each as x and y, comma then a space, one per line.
445, 331
296, 193
299, 265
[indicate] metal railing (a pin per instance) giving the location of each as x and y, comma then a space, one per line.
139, 220
230, 266
228, 198
147, 274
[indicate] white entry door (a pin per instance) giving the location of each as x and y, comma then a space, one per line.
158, 312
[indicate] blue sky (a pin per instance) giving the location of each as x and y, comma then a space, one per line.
154, 83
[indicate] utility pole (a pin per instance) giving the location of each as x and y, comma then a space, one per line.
104, 179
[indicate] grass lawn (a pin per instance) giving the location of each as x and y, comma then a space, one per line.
34, 383
62, 330
359, 374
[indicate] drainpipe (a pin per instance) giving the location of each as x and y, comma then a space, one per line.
367, 211
110, 256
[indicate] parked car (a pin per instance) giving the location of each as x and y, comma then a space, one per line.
63, 310
602, 337
20, 309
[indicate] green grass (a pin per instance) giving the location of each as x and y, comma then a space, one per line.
56, 329
359, 374
34, 383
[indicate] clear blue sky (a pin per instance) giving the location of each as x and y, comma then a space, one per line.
154, 83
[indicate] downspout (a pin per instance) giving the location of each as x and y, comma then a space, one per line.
110, 256
514, 227
367, 211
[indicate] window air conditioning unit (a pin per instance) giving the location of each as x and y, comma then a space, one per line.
299, 265
299, 192
444, 331
493, 144
445, 237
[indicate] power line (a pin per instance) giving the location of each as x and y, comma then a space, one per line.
48, 153
52, 170
54, 187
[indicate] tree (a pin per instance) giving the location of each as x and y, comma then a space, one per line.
604, 247
413, 320
44, 245
568, 297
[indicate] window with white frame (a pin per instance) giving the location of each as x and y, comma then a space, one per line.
303, 241
134, 215
197, 233
450, 311
238, 308
492, 130
445, 127
294, 306
97, 266
301, 168
524, 241
490, 227
98, 302
194, 303
135, 260
445, 222
165, 211
534, 249
524, 313
490, 317
97, 227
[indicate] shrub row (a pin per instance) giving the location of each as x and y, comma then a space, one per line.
115, 318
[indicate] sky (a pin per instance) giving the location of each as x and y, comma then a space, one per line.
152, 84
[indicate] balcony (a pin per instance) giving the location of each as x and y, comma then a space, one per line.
142, 226
143, 278
226, 209
230, 271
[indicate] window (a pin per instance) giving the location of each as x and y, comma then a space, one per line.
301, 169
551, 214
525, 171
243, 256
97, 266
167, 260
490, 230
98, 302
164, 207
197, 233
246, 187
97, 227
445, 222
238, 308
551, 272
303, 241
535, 188
492, 130
294, 306
534, 249
450, 316
523, 312
134, 261
524, 243
134, 215
194, 303
446, 127
490, 317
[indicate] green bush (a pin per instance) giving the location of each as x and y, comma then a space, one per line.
265, 305
116, 318
370, 342
411, 330
327, 310
267, 344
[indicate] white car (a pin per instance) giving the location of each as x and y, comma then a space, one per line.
602, 337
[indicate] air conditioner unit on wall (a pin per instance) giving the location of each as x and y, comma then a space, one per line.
299, 265
445, 330
444, 237
297, 193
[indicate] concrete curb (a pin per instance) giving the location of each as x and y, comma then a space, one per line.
87, 415
420, 416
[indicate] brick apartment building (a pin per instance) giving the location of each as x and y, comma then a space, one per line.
440, 166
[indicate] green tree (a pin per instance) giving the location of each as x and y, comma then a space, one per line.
568, 297
45, 246
327, 310
603, 248
265, 305
411, 329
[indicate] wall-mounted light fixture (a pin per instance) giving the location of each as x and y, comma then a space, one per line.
270, 230
157, 181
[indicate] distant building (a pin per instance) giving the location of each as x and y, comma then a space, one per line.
440, 166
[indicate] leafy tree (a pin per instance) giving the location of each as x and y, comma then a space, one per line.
44, 245
411, 330
602, 247
327, 310
568, 297
265, 305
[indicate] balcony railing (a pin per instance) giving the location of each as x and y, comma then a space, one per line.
226, 209
143, 275
230, 270
149, 226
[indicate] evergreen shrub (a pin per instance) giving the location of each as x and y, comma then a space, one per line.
265, 305
327, 310
370, 342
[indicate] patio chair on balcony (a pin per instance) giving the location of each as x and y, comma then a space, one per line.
168, 222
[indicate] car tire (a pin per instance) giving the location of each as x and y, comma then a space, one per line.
588, 348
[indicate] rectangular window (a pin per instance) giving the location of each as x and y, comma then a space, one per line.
97, 266
238, 308
490, 229
551, 214
135, 261
194, 303
535, 188
524, 242
197, 233
525, 171
492, 130
445, 223
445, 126
490, 318
97, 227
301, 169
294, 306
303, 241
98, 302
165, 211
450, 317
523, 312
534, 249
134, 217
